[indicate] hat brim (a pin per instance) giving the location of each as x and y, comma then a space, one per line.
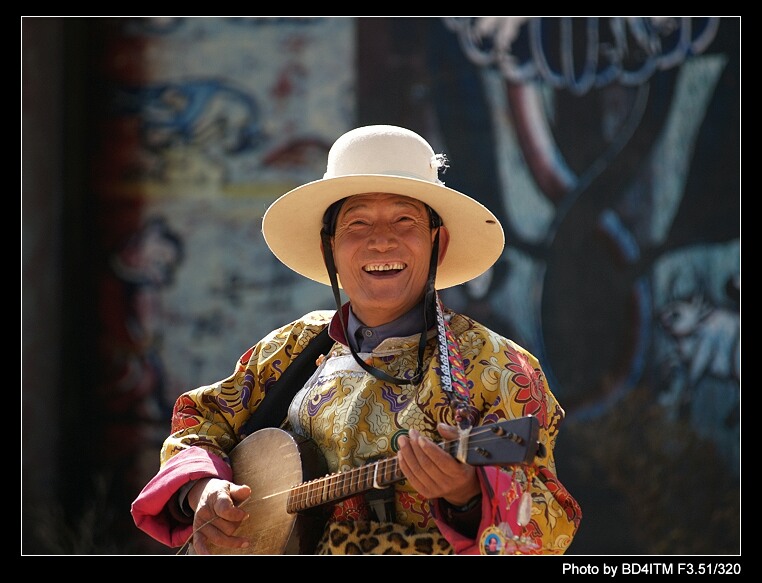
291, 225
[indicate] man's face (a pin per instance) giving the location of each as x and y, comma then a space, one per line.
382, 248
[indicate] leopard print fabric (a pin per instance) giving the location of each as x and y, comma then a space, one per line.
380, 538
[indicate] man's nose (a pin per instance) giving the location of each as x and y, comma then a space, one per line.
382, 237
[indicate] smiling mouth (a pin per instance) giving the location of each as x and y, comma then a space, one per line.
384, 268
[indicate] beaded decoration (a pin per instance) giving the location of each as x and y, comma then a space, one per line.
500, 539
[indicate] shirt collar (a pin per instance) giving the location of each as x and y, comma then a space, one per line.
367, 338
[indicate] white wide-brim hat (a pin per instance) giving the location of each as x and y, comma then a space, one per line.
388, 159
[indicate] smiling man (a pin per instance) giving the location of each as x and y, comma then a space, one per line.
437, 433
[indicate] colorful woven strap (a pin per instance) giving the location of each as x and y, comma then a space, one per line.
454, 381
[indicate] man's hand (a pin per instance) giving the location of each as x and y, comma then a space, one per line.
433, 472
218, 514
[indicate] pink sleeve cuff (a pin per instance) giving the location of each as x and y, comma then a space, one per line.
462, 544
151, 511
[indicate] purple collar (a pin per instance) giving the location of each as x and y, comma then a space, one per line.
366, 338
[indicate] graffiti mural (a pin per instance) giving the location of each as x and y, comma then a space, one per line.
203, 123
610, 116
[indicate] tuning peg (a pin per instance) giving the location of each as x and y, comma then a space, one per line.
516, 438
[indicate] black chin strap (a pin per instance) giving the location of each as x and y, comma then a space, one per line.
428, 309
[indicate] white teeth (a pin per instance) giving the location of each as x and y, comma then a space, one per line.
384, 267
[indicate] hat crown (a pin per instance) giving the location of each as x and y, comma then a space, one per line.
383, 150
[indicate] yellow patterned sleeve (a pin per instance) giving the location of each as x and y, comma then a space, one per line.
212, 416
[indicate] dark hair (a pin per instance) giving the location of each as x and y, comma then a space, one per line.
330, 216
332, 213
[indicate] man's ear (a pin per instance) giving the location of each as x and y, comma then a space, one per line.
444, 242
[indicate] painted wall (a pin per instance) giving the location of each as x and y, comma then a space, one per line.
609, 148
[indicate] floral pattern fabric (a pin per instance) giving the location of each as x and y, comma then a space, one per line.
355, 418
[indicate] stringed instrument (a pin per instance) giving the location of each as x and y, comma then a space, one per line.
289, 504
